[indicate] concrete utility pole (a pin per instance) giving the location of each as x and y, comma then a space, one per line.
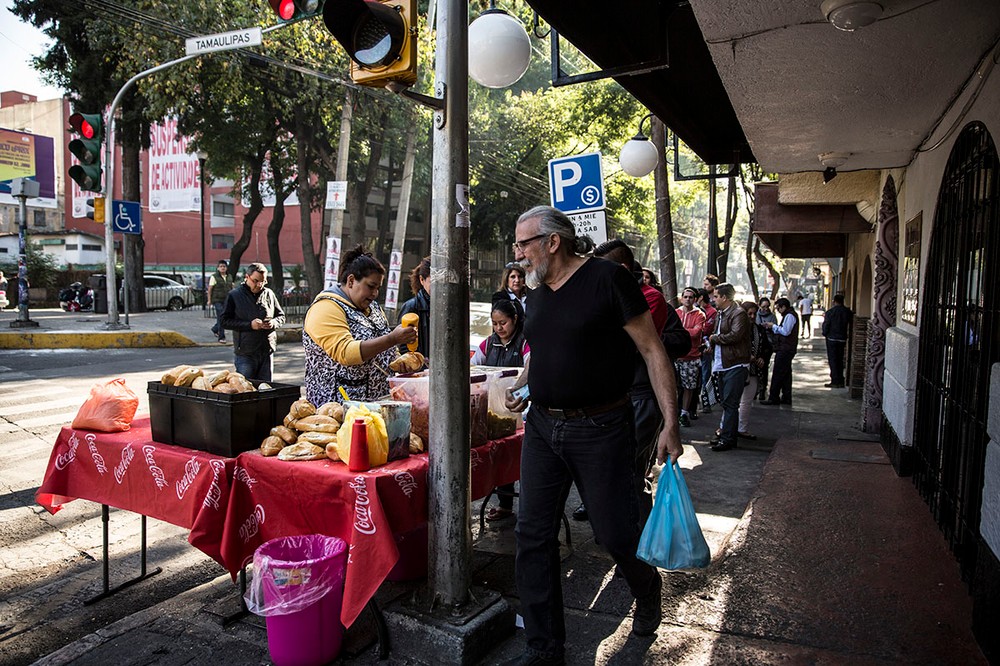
450, 534
23, 189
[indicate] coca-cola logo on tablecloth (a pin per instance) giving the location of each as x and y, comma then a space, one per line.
251, 525
215, 490
474, 458
243, 476
97, 457
159, 478
363, 522
406, 482
191, 468
127, 454
69, 455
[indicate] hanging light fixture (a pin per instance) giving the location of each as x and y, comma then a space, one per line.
831, 161
639, 155
849, 15
499, 49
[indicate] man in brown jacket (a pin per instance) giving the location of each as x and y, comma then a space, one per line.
730, 349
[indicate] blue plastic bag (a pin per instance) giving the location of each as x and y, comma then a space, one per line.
672, 537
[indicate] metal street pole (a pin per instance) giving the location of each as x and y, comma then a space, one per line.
202, 156
450, 533
23, 189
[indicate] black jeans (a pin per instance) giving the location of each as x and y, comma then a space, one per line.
835, 357
599, 454
781, 380
648, 421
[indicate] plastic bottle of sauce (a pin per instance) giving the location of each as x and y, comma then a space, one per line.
359, 461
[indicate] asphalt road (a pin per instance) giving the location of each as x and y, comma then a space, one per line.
50, 564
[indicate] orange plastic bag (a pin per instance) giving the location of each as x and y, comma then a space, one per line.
109, 408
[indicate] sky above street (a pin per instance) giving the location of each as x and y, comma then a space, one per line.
18, 43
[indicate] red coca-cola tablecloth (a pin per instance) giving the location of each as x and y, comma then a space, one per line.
373, 511
128, 470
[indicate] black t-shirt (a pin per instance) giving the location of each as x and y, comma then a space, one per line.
581, 355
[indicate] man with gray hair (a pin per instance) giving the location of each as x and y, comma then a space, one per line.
730, 355
588, 318
253, 313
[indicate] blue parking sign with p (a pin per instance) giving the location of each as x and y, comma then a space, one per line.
576, 183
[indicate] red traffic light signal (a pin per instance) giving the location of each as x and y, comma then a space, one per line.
83, 124
293, 10
285, 9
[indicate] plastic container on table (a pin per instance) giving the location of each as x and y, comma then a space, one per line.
298, 586
501, 421
415, 389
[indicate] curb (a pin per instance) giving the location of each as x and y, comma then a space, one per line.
119, 340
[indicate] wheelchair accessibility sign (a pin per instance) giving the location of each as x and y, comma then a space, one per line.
576, 184
126, 216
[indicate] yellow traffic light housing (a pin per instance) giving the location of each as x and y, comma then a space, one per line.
380, 36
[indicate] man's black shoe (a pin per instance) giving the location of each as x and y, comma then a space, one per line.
580, 513
648, 613
832, 385
723, 446
532, 659
769, 402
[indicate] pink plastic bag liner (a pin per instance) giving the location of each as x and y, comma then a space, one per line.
293, 573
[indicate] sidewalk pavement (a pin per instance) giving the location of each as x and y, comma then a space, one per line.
821, 555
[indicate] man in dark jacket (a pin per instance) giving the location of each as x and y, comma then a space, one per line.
836, 328
219, 286
730, 354
252, 312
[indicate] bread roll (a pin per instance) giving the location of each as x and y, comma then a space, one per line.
302, 451
334, 409
218, 378
285, 433
331, 451
272, 445
317, 423
170, 376
416, 444
289, 422
408, 362
301, 408
225, 388
188, 375
314, 437
201, 384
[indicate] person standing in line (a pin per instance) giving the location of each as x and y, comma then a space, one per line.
513, 288
650, 280
253, 313
730, 352
836, 330
219, 286
689, 365
764, 316
587, 318
420, 305
786, 343
760, 347
806, 310
705, 303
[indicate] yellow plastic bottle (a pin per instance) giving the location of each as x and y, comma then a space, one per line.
410, 319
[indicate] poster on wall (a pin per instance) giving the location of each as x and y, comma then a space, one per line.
911, 269
174, 180
24, 155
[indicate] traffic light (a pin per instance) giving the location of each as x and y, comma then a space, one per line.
87, 149
294, 10
380, 36
95, 209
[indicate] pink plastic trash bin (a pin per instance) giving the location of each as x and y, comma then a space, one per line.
298, 586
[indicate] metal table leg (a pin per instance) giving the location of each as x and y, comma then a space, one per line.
143, 574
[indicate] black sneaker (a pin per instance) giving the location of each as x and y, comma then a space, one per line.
648, 613
685, 420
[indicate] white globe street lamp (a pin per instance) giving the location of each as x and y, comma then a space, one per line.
499, 49
639, 155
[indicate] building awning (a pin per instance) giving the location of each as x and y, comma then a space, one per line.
687, 96
804, 231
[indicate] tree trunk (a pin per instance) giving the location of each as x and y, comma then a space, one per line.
310, 258
775, 276
731, 210
357, 192
133, 243
713, 225
256, 206
664, 222
277, 278
385, 215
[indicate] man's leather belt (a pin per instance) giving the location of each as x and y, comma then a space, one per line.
584, 413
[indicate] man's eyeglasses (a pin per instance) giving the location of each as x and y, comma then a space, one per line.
261, 282
521, 244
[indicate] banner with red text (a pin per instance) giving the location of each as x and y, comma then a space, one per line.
174, 181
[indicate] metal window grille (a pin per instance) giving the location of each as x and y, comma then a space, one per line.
959, 342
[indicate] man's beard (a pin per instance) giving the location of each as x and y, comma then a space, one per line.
535, 277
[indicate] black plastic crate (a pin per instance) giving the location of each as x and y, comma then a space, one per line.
220, 423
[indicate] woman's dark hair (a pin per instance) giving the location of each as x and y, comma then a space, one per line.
511, 268
509, 310
762, 299
360, 263
421, 270
653, 280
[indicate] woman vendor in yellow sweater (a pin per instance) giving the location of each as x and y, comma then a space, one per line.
346, 335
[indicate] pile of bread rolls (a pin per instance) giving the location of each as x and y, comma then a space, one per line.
307, 433
224, 381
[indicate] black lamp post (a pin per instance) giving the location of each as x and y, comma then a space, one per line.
202, 157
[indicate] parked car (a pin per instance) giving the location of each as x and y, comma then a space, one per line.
480, 324
165, 294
